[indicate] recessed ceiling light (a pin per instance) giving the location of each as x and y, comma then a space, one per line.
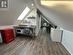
32, 4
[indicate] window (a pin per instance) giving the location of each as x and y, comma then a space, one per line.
3, 3
24, 13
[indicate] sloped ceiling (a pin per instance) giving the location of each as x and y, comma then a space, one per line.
60, 14
9, 15
56, 0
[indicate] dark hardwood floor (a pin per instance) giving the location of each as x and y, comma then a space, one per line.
41, 45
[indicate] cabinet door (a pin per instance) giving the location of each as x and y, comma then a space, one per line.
9, 35
12, 33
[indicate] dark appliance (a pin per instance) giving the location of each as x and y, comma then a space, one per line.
25, 30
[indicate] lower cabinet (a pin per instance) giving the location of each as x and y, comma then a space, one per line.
7, 35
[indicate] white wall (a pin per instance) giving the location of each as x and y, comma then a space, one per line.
38, 24
67, 40
30, 21
10, 15
32, 13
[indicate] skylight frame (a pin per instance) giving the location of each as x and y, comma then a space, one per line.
24, 13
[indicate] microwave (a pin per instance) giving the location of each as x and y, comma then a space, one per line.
19, 31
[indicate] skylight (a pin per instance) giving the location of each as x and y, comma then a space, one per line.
24, 13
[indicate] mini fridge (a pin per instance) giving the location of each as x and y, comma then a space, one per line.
7, 35
56, 35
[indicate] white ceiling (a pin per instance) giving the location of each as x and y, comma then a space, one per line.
60, 14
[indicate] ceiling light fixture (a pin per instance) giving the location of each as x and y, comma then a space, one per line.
32, 4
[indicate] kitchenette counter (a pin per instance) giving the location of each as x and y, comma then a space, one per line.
25, 30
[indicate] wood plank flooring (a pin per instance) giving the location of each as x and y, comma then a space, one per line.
41, 45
